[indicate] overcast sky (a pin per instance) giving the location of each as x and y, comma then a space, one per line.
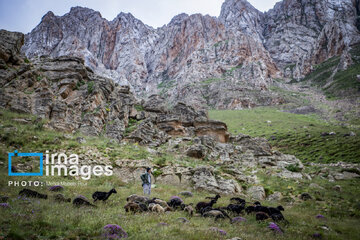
24, 15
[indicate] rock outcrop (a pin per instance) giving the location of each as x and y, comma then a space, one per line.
63, 91
299, 34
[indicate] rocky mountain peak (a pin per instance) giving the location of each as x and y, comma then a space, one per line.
49, 15
194, 56
83, 13
178, 19
242, 16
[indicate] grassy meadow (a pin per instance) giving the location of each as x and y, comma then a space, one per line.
295, 134
47, 219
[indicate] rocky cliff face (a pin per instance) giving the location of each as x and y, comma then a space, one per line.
192, 57
299, 34
67, 96
73, 98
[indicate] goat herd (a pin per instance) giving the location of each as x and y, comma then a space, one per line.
136, 203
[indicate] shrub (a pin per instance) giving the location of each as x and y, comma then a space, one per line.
90, 87
293, 168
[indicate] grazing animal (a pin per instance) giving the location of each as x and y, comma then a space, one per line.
217, 196
161, 202
151, 205
206, 209
189, 209
216, 213
202, 205
238, 200
278, 217
132, 207
260, 216
175, 203
249, 209
30, 193
157, 208
235, 208
278, 210
103, 195
142, 206
78, 201
134, 197
61, 198
168, 209
262, 209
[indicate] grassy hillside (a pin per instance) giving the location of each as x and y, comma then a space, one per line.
295, 134
46, 219
343, 83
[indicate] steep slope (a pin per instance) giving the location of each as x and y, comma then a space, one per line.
299, 34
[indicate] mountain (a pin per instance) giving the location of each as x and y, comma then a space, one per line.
225, 62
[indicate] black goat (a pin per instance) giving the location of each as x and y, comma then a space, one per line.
235, 208
217, 196
103, 195
78, 201
277, 210
238, 200
250, 209
142, 206
202, 205
175, 203
30, 193
260, 216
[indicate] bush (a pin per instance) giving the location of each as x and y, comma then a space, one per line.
161, 161
90, 87
293, 168
157, 172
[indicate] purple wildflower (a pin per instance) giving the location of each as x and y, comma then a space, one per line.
275, 228
319, 216
56, 188
238, 220
4, 205
218, 230
317, 236
113, 231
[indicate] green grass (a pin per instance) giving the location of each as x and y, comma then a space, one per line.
45, 219
90, 86
344, 82
295, 134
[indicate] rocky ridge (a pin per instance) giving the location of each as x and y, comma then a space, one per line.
190, 58
69, 97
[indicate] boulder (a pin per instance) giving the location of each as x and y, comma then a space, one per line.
196, 151
203, 178
256, 192
276, 196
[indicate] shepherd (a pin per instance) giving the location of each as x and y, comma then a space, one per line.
146, 181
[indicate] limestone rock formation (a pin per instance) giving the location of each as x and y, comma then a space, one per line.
63, 91
193, 56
